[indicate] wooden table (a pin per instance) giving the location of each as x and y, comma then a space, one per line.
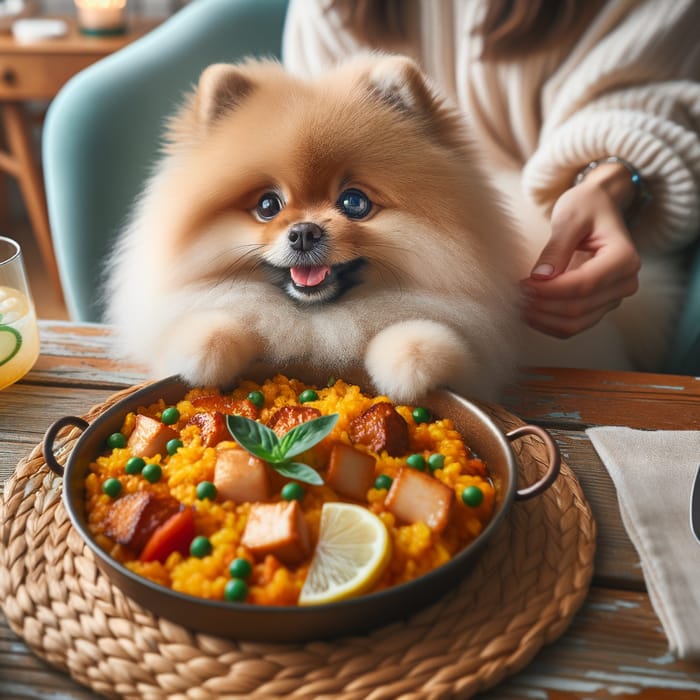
37, 71
615, 647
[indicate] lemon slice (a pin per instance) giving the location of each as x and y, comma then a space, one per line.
352, 552
13, 306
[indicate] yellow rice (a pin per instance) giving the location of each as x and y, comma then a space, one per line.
416, 548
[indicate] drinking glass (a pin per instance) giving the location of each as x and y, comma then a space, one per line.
19, 331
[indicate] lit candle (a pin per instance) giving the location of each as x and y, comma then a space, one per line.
101, 16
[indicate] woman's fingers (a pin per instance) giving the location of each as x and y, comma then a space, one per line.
610, 255
577, 299
582, 288
584, 305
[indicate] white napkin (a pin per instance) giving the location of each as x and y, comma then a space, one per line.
653, 472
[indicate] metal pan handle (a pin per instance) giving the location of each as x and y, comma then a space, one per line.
50, 439
553, 460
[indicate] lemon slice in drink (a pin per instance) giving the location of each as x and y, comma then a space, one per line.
352, 552
14, 306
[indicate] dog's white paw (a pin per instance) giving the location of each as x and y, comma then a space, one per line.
209, 351
408, 359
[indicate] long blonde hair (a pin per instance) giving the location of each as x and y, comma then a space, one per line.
509, 28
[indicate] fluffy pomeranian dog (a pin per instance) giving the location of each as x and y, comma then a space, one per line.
342, 221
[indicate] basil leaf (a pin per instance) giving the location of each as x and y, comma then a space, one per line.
299, 472
254, 437
306, 435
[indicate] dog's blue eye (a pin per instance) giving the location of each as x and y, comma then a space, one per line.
269, 205
354, 204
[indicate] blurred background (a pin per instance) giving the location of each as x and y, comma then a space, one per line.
15, 220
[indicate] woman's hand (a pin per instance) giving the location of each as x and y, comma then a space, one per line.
590, 263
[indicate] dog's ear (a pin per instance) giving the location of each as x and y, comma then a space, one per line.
222, 87
399, 82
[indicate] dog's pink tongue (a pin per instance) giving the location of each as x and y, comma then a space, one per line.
309, 276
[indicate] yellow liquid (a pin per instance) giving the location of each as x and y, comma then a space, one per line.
19, 336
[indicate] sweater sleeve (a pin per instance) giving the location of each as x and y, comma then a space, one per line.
634, 94
314, 38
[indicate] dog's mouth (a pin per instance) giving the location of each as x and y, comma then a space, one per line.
316, 284
309, 277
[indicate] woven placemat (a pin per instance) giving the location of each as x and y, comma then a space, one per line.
531, 579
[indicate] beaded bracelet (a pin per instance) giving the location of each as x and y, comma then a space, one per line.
643, 195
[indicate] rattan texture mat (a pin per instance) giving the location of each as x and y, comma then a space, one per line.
524, 591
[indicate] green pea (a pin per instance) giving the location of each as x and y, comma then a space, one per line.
172, 446
200, 546
383, 481
135, 465
170, 415
205, 489
257, 398
292, 491
152, 473
436, 461
240, 568
308, 395
235, 590
420, 414
116, 440
416, 461
112, 487
472, 496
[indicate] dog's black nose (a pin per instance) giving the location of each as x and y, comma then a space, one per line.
304, 235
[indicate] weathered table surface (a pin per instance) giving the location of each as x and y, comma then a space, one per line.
614, 648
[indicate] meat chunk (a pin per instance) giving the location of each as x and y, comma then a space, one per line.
350, 472
149, 437
240, 477
226, 405
212, 427
418, 497
278, 529
133, 518
381, 427
288, 417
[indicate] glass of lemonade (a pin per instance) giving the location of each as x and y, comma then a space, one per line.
19, 332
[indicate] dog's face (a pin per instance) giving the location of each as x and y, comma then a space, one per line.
316, 187
301, 261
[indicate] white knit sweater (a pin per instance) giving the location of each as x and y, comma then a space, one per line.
629, 87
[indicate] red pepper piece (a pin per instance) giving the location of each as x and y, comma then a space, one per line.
174, 535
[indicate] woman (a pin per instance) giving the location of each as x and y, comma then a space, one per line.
588, 113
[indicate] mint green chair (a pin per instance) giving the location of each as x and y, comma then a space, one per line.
103, 130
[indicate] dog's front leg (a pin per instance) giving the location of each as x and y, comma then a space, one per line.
209, 348
408, 359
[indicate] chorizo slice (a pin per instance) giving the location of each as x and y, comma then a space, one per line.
380, 428
288, 417
226, 405
212, 427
